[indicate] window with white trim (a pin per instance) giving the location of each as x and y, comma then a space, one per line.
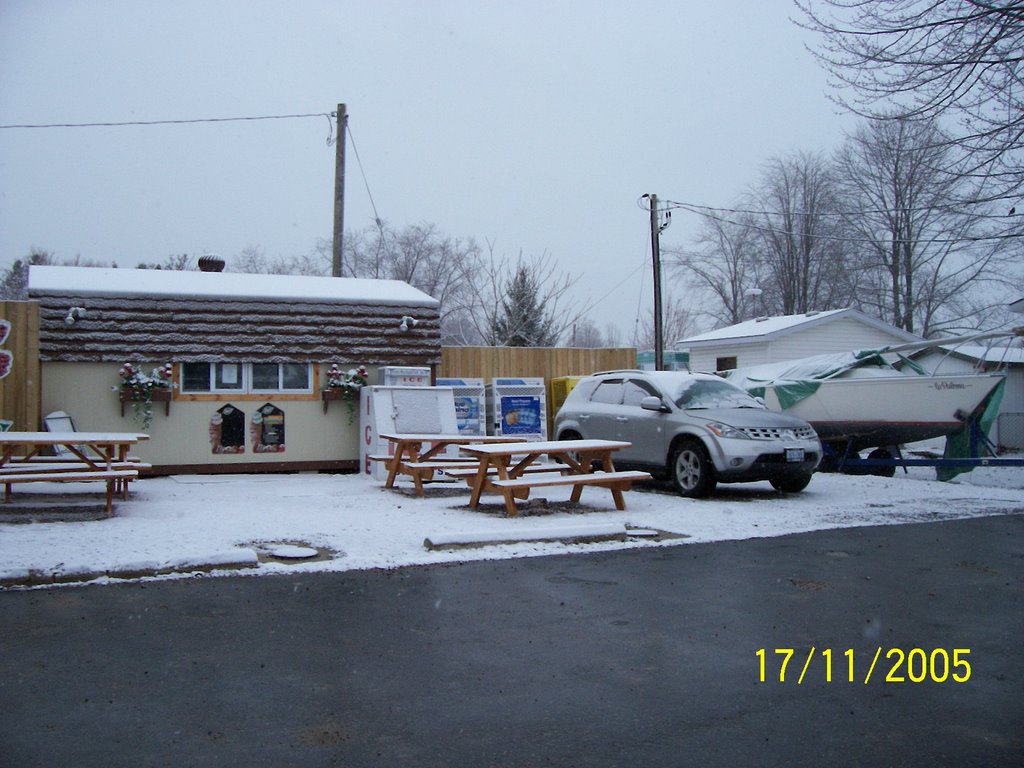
246, 377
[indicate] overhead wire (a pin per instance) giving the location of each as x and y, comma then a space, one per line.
362, 172
119, 124
721, 215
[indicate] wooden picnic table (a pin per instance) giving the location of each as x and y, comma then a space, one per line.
408, 456
506, 469
96, 456
97, 449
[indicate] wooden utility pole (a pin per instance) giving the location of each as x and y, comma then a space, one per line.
659, 357
339, 193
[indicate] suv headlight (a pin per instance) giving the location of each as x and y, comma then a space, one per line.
724, 430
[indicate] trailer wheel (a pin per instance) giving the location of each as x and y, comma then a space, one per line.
882, 453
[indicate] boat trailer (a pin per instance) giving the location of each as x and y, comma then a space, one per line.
883, 461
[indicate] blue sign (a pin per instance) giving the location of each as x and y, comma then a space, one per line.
467, 415
520, 415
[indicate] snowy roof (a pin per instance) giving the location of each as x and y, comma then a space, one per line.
765, 328
1013, 355
94, 281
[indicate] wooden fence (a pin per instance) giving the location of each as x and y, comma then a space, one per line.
20, 390
546, 362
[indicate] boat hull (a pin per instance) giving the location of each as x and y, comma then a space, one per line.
879, 411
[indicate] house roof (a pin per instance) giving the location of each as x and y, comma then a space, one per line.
769, 328
1000, 355
106, 281
157, 315
1017, 306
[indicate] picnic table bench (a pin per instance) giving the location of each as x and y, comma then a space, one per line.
515, 480
89, 457
411, 458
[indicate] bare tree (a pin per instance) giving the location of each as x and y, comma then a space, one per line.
801, 256
439, 265
253, 260
586, 334
928, 264
176, 262
677, 322
723, 265
955, 59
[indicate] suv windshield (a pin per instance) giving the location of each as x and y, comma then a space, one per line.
703, 393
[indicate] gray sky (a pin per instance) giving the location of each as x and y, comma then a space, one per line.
533, 125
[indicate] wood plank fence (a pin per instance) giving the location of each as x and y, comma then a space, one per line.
545, 362
20, 391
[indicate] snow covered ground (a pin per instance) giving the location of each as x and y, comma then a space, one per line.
178, 527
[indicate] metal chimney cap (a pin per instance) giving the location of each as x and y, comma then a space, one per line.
211, 263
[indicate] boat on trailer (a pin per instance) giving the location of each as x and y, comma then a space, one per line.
874, 398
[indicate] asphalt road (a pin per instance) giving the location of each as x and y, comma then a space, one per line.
643, 657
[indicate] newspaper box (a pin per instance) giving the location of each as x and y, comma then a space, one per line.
469, 404
517, 407
410, 410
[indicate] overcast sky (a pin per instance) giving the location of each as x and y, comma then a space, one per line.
532, 125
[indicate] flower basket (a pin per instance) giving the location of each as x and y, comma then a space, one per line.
344, 385
155, 395
142, 390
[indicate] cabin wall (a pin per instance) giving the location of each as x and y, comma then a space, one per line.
181, 441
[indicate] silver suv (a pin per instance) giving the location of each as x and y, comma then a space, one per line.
696, 428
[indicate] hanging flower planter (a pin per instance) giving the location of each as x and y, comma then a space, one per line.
142, 390
344, 385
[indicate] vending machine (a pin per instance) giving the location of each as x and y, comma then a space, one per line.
469, 404
517, 406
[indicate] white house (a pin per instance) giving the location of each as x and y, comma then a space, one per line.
789, 337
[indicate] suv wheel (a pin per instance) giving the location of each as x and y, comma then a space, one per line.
790, 484
691, 470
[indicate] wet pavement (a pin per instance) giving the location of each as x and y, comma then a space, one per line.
645, 657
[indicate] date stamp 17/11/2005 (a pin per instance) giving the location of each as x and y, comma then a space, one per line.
888, 665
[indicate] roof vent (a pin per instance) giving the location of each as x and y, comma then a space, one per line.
211, 263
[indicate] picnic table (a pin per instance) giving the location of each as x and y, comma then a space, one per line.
89, 456
507, 469
409, 457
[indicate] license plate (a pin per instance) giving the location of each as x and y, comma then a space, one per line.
794, 454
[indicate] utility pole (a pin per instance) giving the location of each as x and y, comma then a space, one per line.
659, 355
339, 193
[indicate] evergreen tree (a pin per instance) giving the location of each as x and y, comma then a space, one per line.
522, 322
14, 282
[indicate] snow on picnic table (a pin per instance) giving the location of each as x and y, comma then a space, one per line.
191, 522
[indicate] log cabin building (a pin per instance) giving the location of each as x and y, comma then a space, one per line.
248, 359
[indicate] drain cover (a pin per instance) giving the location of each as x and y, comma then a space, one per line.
292, 552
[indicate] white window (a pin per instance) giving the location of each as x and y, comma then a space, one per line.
280, 377
246, 377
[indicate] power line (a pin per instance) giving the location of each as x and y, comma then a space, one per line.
721, 215
359, 162
166, 122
